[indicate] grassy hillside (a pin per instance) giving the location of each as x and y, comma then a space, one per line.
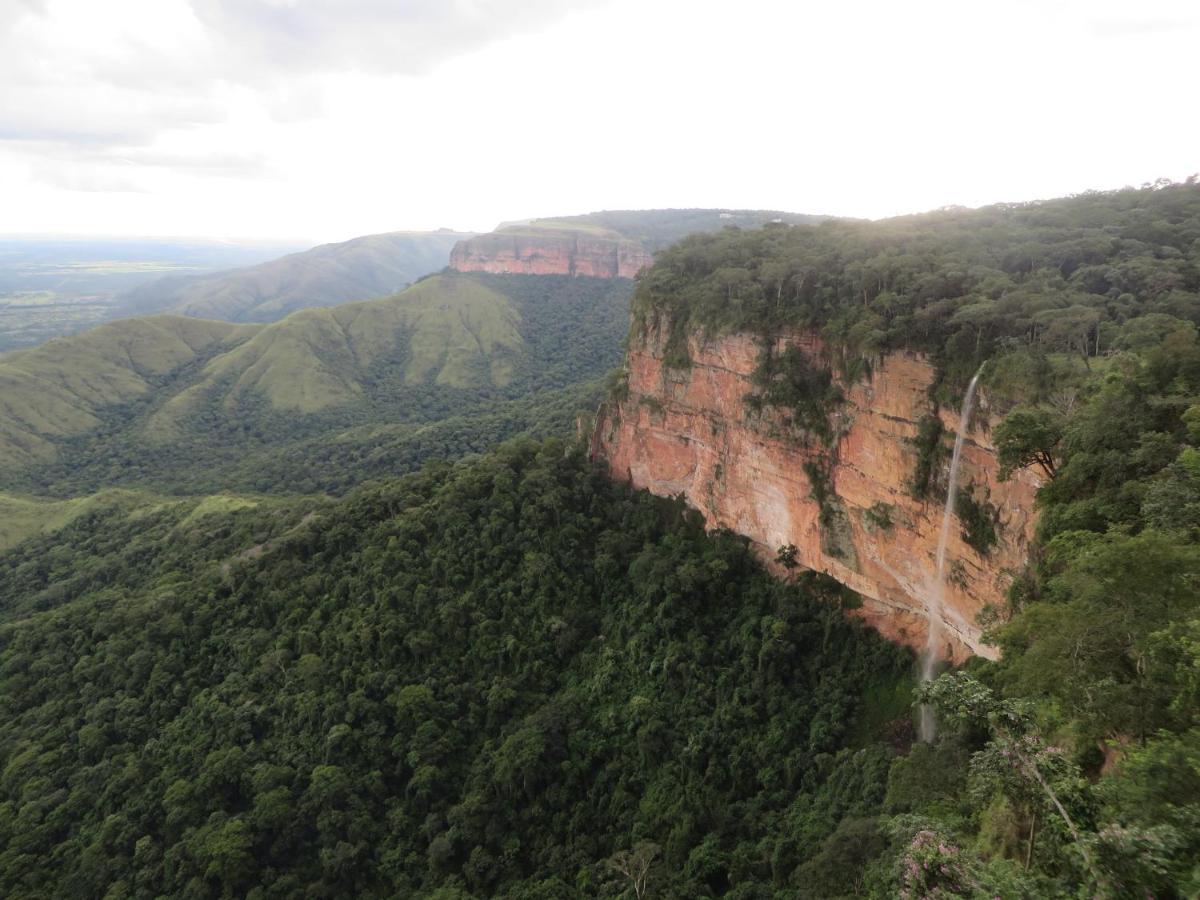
24, 517
64, 387
478, 353
329, 275
446, 331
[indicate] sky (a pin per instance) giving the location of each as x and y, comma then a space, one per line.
321, 120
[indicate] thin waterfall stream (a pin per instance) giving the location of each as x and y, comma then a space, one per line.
930, 658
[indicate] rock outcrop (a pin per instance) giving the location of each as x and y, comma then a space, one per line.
690, 431
536, 251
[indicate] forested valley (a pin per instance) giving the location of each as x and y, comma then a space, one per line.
485, 680
405, 661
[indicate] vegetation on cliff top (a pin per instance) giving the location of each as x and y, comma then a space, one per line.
1077, 756
659, 228
1080, 276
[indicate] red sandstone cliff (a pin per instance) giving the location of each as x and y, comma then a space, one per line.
689, 431
551, 252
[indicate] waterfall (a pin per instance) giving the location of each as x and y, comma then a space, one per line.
930, 659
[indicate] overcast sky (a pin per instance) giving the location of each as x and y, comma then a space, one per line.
325, 119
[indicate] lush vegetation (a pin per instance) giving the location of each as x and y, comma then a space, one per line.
24, 517
317, 402
1072, 766
509, 678
330, 463
1078, 276
512, 677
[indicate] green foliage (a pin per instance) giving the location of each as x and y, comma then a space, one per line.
1066, 277
839, 867
59, 390
1113, 859
786, 556
23, 517
879, 516
659, 228
822, 491
512, 677
1028, 436
1108, 605
978, 519
1104, 641
489, 679
931, 453
792, 383
930, 776
455, 364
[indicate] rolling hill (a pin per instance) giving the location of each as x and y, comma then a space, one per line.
186, 404
63, 388
328, 275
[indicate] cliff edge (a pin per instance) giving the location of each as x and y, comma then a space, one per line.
531, 250
845, 502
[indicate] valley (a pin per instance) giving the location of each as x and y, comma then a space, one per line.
51, 287
176, 401
491, 585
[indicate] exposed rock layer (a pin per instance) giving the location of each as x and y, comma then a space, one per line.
689, 431
551, 252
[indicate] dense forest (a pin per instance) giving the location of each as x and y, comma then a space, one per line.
507, 675
1082, 276
508, 678
1077, 756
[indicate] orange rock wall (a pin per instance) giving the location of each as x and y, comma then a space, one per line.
551, 254
689, 431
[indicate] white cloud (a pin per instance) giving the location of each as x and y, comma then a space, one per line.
370, 35
328, 119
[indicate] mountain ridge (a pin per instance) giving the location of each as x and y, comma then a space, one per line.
135, 393
361, 268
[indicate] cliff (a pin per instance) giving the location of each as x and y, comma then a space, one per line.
690, 431
545, 251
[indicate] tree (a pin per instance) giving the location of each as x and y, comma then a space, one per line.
1016, 760
635, 865
786, 556
1029, 436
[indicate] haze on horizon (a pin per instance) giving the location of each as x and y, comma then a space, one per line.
326, 119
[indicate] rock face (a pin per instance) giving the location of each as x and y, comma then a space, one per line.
551, 252
690, 431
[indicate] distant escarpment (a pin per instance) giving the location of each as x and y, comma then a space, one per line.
823, 478
594, 253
